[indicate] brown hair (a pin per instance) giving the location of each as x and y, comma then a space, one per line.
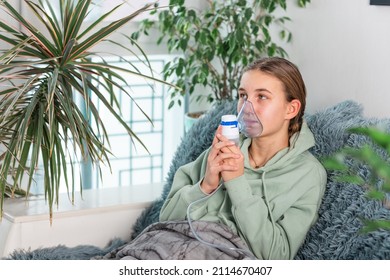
291, 78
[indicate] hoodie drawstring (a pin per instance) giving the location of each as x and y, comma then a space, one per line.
270, 215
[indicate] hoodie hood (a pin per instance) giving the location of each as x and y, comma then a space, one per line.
300, 142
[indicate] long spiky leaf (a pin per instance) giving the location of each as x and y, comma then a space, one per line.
43, 43
97, 22
97, 37
75, 19
50, 24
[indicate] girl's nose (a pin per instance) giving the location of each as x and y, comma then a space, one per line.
250, 98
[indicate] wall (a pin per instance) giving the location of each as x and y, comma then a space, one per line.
343, 50
96, 218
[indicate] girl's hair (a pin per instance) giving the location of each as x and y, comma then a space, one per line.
291, 78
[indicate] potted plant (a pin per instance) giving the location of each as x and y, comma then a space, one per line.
215, 43
43, 67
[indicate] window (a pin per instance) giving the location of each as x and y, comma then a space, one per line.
380, 2
130, 163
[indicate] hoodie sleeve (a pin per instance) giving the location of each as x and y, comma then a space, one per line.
185, 189
276, 239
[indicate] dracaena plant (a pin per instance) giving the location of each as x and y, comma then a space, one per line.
43, 68
216, 42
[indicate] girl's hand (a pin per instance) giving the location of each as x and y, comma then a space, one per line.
223, 161
236, 161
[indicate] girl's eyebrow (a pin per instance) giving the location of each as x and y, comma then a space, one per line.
257, 90
263, 89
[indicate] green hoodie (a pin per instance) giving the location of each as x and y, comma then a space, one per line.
271, 208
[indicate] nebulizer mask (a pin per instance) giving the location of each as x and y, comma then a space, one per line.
248, 122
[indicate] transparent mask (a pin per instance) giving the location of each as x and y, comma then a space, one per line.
248, 122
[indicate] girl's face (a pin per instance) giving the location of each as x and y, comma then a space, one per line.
266, 93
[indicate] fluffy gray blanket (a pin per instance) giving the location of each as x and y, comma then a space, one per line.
176, 241
335, 236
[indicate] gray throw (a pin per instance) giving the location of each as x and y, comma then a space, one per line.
176, 241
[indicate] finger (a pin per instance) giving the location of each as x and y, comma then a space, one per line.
218, 131
227, 147
222, 144
220, 147
219, 160
223, 157
214, 152
217, 169
232, 148
221, 137
227, 167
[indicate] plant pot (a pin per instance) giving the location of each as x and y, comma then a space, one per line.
191, 118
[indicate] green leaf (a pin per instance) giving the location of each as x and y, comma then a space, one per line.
350, 178
372, 225
171, 103
376, 194
100, 35
379, 137
335, 162
248, 13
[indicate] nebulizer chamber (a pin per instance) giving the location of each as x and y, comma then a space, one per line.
229, 125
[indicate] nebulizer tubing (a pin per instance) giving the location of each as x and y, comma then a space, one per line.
222, 247
230, 130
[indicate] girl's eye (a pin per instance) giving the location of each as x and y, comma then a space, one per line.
243, 96
262, 97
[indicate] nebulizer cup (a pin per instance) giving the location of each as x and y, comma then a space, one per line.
230, 130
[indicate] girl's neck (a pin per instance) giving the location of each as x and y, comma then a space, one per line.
261, 150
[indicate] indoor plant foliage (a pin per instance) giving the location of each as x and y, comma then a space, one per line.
42, 70
216, 43
375, 154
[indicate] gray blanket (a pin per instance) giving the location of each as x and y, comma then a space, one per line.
176, 241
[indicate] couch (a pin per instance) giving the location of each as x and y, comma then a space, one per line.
337, 233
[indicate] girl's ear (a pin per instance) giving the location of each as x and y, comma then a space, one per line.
293, 108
